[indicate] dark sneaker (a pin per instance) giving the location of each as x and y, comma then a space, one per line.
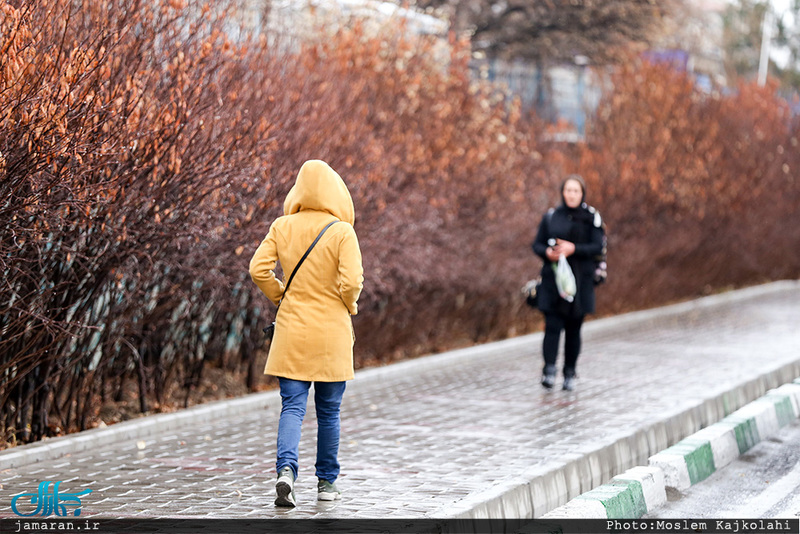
548, 380
327, 491
569, 383
284, 487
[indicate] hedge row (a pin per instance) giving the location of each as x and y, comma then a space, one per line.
144, 153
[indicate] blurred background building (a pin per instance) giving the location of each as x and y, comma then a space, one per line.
554, 55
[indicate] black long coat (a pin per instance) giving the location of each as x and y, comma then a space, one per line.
582, 226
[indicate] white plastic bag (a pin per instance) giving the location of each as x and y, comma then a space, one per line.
565, 280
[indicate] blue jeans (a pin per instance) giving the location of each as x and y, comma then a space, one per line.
328, 400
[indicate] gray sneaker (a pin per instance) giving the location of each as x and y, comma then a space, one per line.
569, 383
284, 487
549, 376
327, 491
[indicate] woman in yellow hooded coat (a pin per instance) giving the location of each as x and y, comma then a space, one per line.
313, 339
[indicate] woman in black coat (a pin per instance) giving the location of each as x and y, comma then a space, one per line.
573, 229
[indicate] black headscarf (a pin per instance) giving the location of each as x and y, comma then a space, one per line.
581, 213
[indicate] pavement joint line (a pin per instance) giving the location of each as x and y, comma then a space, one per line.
151, 425
642, 489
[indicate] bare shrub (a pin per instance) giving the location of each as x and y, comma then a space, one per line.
695, 188
143, 155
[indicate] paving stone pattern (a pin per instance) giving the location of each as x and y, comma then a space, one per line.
419, 441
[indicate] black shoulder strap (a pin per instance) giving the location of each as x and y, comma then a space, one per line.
299, 263
549, 218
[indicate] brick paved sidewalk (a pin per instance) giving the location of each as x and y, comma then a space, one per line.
463, 434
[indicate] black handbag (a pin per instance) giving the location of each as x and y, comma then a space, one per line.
531, 292
269, 330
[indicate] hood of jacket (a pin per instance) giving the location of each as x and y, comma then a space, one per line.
320, 188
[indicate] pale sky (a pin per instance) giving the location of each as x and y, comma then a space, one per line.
780, 7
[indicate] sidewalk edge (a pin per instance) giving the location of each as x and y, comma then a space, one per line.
687, 463
543, 489
147, 426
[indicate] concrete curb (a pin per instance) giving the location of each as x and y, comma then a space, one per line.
642, 490
544, 488
702, 303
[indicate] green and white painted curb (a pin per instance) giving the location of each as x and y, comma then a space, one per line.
630, 494
641, 490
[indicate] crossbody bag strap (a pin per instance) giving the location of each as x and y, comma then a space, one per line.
299, 263
269, 328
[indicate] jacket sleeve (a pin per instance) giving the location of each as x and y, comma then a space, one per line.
262, 268
351, 272
593, 247
539, 245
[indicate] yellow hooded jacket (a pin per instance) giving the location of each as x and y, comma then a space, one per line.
313, 338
